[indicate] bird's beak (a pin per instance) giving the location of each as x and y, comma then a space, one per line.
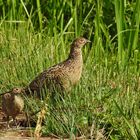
88, 41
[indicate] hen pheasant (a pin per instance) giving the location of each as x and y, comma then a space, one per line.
12, 103
58, 78
63, 76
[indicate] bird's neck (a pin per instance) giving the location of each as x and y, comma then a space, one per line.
75, 53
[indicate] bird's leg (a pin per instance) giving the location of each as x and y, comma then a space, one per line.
15, 122
8, 126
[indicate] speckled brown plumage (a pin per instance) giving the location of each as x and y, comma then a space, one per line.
12, 103
62, 76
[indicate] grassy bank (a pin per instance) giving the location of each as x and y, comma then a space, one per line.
106, 101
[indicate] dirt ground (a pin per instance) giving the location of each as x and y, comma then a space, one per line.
20, 132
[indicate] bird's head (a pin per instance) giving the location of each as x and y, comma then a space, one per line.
80, 42
17, 90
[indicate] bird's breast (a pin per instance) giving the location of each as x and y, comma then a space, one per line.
19, 102
74, 72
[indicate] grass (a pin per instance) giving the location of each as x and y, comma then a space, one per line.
106, 101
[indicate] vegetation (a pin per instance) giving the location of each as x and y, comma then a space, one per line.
35, 34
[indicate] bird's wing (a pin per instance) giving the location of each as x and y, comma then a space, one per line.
53, 74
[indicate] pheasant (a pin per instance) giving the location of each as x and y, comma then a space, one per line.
60, 77
12, 103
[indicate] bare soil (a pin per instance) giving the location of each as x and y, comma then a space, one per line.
19, 132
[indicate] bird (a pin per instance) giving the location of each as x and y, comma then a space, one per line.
12, 103
62, 76
59, 78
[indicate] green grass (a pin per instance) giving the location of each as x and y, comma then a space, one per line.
107, 97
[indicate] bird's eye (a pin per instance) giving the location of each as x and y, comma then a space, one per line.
82, 41
16, 89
